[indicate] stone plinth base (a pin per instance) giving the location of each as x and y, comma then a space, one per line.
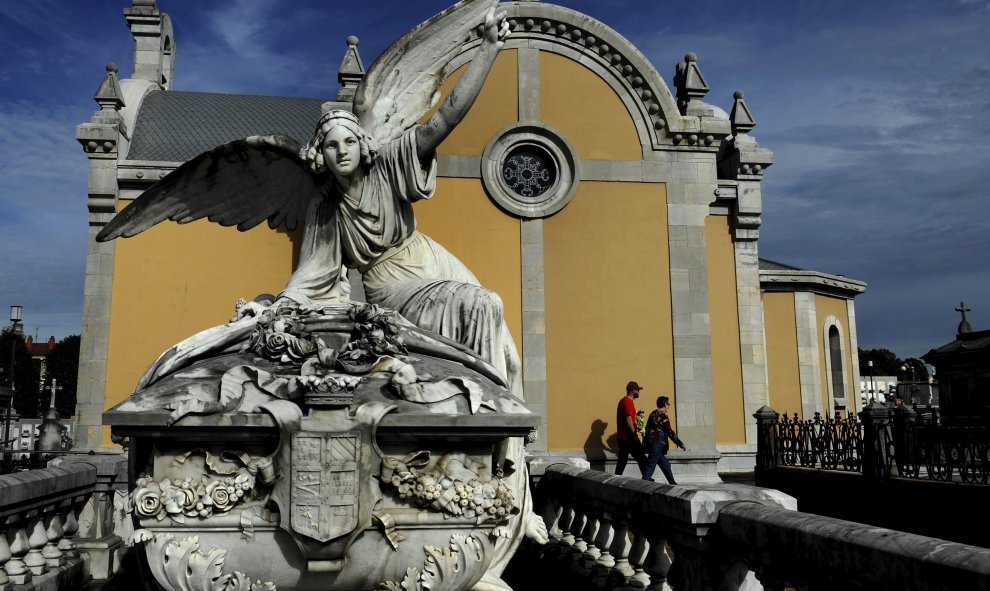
102, 556
67, 576
737, 458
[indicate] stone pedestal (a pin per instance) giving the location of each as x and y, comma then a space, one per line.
102, 556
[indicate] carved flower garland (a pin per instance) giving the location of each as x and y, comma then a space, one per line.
280, 335
277, 337
434, 488
376, 333
189, 497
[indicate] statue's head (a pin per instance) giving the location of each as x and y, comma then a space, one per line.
340, 144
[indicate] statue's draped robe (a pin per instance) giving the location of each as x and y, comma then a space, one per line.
402, 269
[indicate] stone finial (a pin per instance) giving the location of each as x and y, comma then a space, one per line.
351, 71
109, 95
741, 119
154, 43
964, 326
690, 83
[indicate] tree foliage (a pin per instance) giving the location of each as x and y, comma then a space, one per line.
62, 365
886, 363
26, 373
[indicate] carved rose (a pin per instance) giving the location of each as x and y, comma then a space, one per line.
220, 496
276, 343
148, 503
298, 349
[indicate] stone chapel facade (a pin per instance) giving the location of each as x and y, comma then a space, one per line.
617, 217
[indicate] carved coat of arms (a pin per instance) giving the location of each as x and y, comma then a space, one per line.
325, 483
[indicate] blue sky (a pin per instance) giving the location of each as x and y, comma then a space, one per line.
878, 114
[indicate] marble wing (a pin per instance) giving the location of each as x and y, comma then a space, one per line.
404, 82
240, 183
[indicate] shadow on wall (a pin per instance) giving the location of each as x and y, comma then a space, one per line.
596, 444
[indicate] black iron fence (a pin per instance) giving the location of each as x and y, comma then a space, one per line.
880, 442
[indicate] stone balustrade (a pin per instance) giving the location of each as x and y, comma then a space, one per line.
50, 516
623, 533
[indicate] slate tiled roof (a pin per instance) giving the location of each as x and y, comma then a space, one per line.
768, 265
970, 341
175, 126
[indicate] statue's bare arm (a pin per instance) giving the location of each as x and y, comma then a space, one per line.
459, 101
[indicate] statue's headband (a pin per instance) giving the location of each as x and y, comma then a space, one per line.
338, 114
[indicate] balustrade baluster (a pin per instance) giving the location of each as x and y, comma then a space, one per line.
560, 551
5, 584
34, 560
622, 570
603, 566
587, 560
69, 529
638, 554
658, 562
579, 545
51, 552
17, 571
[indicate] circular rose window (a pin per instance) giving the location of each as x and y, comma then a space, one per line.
529, 169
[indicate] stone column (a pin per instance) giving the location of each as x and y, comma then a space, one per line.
102, 138
690, 191
809, 364
752, 340
856, 403
534, 345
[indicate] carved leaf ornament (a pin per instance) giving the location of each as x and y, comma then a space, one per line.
455, 567
181, 566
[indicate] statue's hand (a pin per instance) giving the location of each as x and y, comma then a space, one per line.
245, 309
496, 27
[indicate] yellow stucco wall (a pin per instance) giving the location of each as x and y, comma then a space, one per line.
496, 107
579, 104
782, 353
462, 219
826, 306
730, 427
172, 281
608, 318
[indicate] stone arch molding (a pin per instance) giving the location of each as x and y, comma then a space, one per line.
599, 48
829, 322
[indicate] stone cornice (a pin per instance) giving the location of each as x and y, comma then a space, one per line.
812, 281
601, 49
143, 173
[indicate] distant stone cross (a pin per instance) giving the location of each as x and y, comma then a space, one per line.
964, 325
54, 388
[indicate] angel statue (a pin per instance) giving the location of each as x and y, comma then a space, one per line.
353, 186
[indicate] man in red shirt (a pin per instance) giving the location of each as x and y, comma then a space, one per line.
626, 428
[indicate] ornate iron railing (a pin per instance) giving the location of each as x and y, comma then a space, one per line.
831, 443
880, 442
941, 452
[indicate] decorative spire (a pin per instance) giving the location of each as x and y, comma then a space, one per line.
964, 326
351, 71
109, 95
741, 119
690, 83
